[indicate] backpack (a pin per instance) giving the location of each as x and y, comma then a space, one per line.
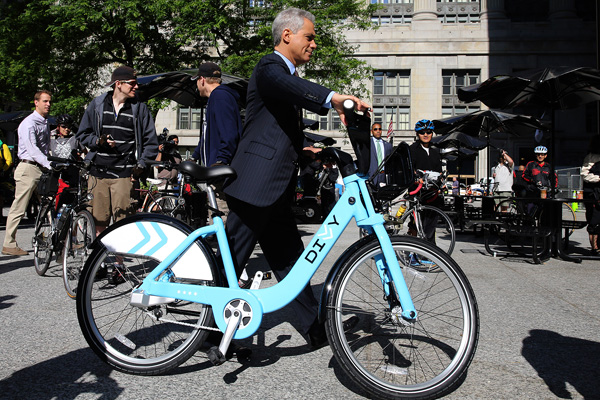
6, 160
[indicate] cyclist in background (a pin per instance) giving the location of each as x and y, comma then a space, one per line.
537, 173
426, 158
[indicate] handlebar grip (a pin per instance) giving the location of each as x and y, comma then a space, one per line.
58, 159
416, 190
349, 106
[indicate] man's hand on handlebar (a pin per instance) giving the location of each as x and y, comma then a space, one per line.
337, 101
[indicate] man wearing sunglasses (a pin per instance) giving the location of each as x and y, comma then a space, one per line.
380, 149
120, 134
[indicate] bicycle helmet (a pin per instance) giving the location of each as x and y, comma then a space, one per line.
64, 119
424, 124
540, 150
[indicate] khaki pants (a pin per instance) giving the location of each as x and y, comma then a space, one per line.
112, 198
26, 177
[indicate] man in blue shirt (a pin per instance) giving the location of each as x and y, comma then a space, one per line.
34, 144
223, 125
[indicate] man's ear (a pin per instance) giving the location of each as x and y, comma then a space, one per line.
286, 35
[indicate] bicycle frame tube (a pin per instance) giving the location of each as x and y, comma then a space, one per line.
352, 204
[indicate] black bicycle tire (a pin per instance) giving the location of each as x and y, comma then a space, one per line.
108, 348
408, 341
46, 213
444, 216
67, 250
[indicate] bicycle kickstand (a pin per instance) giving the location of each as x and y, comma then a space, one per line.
215, 354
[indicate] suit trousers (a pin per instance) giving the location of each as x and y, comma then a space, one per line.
26, 177
274, 228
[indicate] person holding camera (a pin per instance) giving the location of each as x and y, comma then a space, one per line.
167, 152
120, 133
503, 175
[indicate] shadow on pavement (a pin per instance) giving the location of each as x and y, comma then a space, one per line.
559, 360
63, 377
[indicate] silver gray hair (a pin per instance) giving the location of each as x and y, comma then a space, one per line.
290, 18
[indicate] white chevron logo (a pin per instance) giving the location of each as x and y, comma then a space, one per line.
327, 232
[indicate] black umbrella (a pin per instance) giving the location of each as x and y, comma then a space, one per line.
459, 140
486, 122
181, 88
10, 122
556, 88
458, 145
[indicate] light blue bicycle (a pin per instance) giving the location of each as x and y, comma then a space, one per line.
417, 329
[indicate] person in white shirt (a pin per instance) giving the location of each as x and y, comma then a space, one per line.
34, 144
503, 175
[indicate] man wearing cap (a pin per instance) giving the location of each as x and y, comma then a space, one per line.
120, 133
260, 199
34, 144
222, 126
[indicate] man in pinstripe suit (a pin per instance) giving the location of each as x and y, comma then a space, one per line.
260, 198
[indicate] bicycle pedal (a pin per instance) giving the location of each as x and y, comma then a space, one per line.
267, 275
215, 356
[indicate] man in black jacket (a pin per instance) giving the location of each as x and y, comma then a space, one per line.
426, 158
260, 198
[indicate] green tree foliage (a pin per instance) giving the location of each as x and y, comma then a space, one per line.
70, 46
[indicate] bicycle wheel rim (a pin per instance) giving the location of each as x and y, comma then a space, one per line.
423, 359
130, 338
77, 244
42, 240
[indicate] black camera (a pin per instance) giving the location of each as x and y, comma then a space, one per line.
169, 146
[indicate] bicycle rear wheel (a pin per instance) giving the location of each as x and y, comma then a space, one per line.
445, 233
82, 233
42, 239
392, 358
138, 340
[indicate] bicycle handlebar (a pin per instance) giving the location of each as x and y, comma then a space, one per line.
417, 189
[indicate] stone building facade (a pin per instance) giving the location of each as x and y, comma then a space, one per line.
423, 50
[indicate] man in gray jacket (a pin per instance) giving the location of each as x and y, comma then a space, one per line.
120, 133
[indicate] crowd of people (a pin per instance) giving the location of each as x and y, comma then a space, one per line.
118, 134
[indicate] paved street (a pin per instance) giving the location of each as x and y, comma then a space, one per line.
539, 339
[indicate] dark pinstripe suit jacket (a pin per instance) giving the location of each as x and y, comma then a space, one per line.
272, 138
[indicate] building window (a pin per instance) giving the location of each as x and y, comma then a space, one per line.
391, 83
329, 122
451, 80
189, 118
392, 12
400, 117
458, 11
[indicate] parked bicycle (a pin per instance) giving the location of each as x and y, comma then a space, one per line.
415, 342
68, 232
186, 201
404, 214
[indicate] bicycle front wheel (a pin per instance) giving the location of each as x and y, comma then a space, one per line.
445, 233
82, 233
169, 205
396, 359
138, 340
42, 239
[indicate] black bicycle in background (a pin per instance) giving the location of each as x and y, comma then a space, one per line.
64, 227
